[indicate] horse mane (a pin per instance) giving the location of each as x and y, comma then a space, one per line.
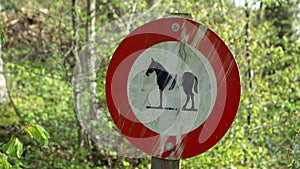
159, 66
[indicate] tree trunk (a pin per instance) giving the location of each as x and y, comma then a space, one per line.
249, 63
74, 48
84, 76
3, 87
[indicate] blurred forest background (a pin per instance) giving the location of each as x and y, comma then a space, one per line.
46, 45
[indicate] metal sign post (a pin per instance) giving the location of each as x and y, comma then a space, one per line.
157, 163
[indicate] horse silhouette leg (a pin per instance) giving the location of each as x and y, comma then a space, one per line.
193, 103
187, 101
160, 98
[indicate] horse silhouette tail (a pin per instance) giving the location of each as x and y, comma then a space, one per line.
196, 84
173, 83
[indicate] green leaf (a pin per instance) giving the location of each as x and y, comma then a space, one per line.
38, 133
3, 162
13, 148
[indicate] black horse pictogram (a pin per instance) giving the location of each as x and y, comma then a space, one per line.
163, 79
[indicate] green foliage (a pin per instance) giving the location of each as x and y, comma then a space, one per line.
13, 148
38, 133
4, 164
8, 116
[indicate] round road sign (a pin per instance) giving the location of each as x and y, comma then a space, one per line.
173, 88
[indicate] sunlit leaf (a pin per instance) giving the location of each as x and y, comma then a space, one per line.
4, 164
13, 148
38, 133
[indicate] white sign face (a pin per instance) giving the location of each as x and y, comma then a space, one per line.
172, 88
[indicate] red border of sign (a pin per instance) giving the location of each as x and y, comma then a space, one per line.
228, 88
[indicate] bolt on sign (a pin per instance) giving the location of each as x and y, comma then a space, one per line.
173, 88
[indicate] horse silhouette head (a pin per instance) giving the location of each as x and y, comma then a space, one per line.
152, 67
